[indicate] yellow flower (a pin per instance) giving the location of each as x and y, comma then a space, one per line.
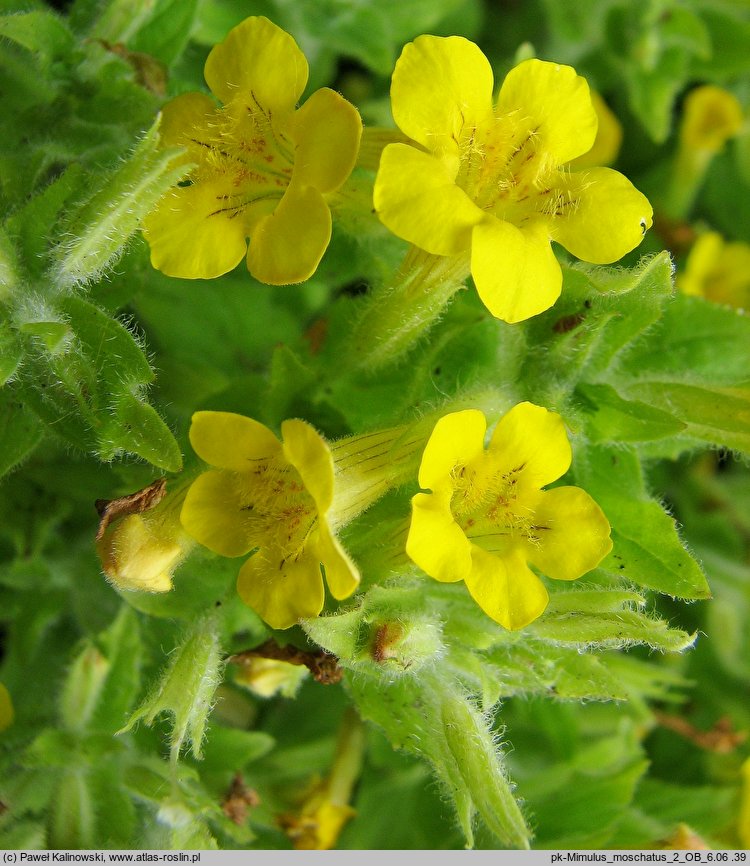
6, 709
493, 180
711, 115
717, 271
743, 818
267, 677
140, 554
273, 497
608, 139
319, 826
326, 810
263, 168
487, 516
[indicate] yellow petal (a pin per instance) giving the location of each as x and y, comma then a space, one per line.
184, 116
342, 575
441, 87
6, 709
608, 139
436, 543
505, 588
572, 532
456, 440
231, 441
327, 132
260, 62
319, 829
711, 116
555, 102
310, 455
602, 215
516, 273
701, 262
743, 814
213, 515
281, 591
416, 198
192, 232
530, 441
287, 246
138, 557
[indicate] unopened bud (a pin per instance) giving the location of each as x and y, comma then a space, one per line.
268, 677
135, 558
141, 541
712, 115
406, 647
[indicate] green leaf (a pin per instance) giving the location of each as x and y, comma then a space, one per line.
113, 351
41, 32
232, 750
136, 428
614, 629
72, 819
653, 91
720, 416
9, 272
612, 419
729, 31
696, 342
185, 689
20, 431
591, 785
116, 817
600, 313
82, 688
97, 231
31, 225
647, 548
167, 31
473, 748
54, 335
85, 379
426, 716
122, 645
633, 300
728, 615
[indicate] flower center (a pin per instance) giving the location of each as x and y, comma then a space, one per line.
505, 171
493, 506
279, 512
244, 146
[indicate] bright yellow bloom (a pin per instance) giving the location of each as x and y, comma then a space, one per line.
717, 271
140, 554
6, 709
743, 818
273, 497
325, 810
263, 168
320, 823
493, 180
267, 677
608, 139
487, 516
711, 115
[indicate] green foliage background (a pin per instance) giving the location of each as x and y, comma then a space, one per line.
103, 360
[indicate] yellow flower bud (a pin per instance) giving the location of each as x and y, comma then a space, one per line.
140, 553
717, 271
743, 819
267, 677
608, 139
712, 115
